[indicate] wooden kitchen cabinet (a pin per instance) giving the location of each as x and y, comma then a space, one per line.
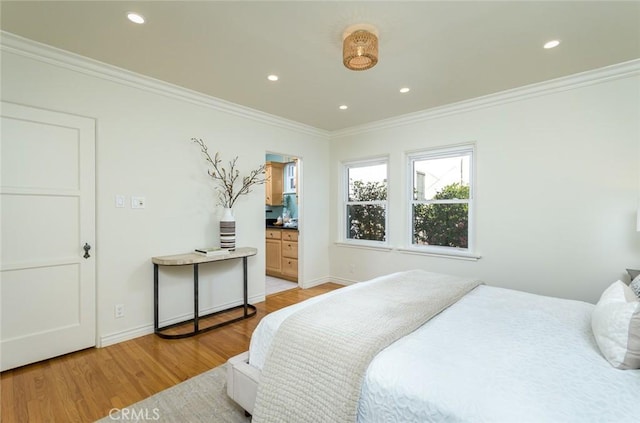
274, 173
273, 248
290, 254
290, 249
290, 236
282, 254
290, 269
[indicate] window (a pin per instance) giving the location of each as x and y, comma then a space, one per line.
290, 177
441, 199
365, 201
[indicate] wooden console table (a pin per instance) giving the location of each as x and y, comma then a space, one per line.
194, 259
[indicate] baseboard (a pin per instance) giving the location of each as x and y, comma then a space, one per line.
342, 281
315, 282
128, 334
125, 335
326, 279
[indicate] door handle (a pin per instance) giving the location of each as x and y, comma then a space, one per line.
86, 247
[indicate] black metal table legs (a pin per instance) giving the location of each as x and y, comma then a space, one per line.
249, 310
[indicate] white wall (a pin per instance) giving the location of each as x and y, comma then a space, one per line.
144, 148
558, 186
557, 190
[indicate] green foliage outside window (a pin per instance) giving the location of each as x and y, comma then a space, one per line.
367, 221
443, 224
433, 224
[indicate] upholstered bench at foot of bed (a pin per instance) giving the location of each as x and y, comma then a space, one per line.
242, 381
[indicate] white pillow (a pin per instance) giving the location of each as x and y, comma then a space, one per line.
635, 285
616, 326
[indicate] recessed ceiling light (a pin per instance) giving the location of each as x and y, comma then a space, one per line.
552, 44
405, 90
272, 77
135, 18
344, 107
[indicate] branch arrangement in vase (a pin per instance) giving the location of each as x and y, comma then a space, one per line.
229, 185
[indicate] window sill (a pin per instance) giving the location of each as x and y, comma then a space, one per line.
364, 246
456, 255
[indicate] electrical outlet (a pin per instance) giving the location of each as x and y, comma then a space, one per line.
119, 310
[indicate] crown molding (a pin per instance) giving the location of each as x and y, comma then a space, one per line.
54, 56
579, 80
28, 48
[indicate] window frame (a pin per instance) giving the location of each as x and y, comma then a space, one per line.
439, 153
345, 203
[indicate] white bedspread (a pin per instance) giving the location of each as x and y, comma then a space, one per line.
316, 364
496, 355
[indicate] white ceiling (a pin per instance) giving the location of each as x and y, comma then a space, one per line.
444, 51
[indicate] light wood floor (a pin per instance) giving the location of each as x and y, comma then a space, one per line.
85, 385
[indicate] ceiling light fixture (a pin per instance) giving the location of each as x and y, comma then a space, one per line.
360, 47
135, 18
404, 90
551, 44
272, 77
343, 107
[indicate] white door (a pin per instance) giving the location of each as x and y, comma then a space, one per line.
47, 207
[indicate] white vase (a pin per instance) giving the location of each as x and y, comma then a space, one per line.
227, 230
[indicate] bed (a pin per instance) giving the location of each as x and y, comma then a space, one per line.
493, 355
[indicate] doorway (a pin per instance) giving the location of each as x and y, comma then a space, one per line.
282, 222
48, 216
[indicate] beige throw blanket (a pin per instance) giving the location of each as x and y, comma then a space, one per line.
319, 356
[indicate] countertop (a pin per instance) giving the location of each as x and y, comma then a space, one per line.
281, 227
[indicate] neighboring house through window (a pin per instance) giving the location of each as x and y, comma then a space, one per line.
441, 202
419, 186
365, 202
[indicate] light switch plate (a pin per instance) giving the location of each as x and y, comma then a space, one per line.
138, 202
120, 201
